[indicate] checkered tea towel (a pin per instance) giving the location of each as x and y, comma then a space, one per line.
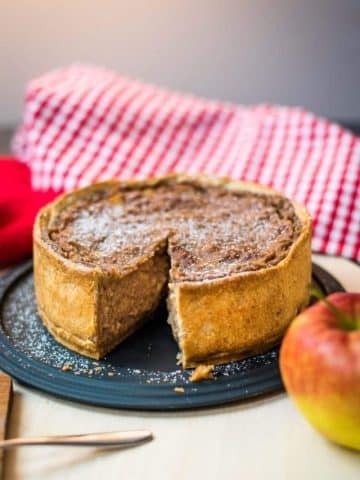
83, 124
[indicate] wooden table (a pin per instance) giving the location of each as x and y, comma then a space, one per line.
258, 439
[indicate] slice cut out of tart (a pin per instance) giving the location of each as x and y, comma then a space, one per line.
232, 258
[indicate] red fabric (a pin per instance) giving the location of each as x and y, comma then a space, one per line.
83, 124
18, 207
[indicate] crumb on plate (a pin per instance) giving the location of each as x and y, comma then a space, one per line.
66, 367
202, 372
179, 389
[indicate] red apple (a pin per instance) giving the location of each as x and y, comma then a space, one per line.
320, 366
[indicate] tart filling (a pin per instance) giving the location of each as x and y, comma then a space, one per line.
211, 232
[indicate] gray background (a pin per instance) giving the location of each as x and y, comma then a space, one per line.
290, 52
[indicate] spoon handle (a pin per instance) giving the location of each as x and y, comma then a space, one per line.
115, 439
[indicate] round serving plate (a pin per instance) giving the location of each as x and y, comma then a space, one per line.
140, 374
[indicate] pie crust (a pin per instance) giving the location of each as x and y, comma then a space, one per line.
91, 310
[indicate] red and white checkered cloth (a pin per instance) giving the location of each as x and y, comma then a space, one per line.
83, 124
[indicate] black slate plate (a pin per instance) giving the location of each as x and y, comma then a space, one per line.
140, 374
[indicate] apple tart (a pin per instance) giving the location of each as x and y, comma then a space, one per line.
233, 260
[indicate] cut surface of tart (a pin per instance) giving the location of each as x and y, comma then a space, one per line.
233, 259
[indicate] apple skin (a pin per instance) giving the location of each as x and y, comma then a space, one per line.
320, 367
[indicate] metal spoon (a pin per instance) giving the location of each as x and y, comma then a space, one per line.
105, 439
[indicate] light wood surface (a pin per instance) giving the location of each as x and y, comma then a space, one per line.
260, 439
5, 404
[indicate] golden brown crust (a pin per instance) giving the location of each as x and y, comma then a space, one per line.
214, 321
65, 297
